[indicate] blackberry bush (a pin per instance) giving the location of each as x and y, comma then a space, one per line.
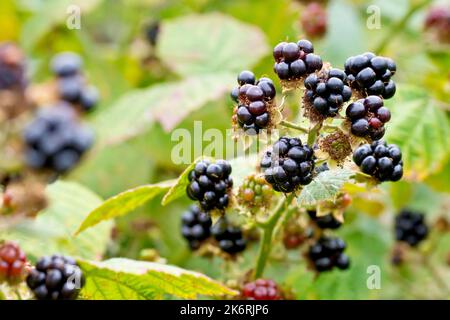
371, 75
381, 161
324, 222
210, 184
56, 278
288, 164
327, 253
12, 263
255, 102
229, 237
410, 227
367, 117
261, 289
55, 140
294, 61
195, 226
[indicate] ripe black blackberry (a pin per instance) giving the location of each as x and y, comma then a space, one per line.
381, 161
261, 289
66, 64
326, 92
255, 99
229, 237
288, 164
12, 67
55, 140
367, 117
12, 263
56, 278
210, 184
195, 226
294, 61
327, 253
410, 227
371, 74
324, 222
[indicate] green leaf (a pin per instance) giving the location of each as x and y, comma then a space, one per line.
52, 230
136, 280
168, 103
421, 130
209, 43
123, 203
324, 187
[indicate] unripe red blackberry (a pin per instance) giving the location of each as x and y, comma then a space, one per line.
261, 289
410, 227
437, 23
327, 253
56, 278
371, 75
229, 237
288, 164
210, 184
314, 20
195, 226
12, 263
367, 117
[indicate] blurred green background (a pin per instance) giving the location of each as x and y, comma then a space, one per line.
147, 91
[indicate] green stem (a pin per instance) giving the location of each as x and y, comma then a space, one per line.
291, 125
312, 134
396, 28
268, 231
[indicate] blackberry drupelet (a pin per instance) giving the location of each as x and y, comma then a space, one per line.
210, 184
381, 161
66, 64
255, 99
371, 75
294, 61
410, 227
195, 226
55, 140
327, 91
327, 253
261, 289
288, 164
324, 222
56, 278
12, 263
229, 237
367, 117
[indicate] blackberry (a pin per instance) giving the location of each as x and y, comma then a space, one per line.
314, 20
410, 227
12, 67
437, 23
66, 64
254, 99
324, 222
55, 140
195, 226
210, 184
288, 164
12, 263
229, 237
152, 32
380, 160
56, 278
367, 117
89, 97
327, 253
261, 289
255, 193
371, 74
326, 92
294, 61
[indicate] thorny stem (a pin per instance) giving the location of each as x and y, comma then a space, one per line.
399, 26
291, 125
268, 231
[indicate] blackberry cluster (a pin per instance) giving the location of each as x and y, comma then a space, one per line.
327, 92
371, 74
55, 140
368, 117
229, 237
261, 289
71, 84
314, 20
324, 222
254, 100
288, 165
327, 253
196, 226
12, 67
381, 161
56, 278
255, 192
12, 263
410, 227
210, 184
295, 60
